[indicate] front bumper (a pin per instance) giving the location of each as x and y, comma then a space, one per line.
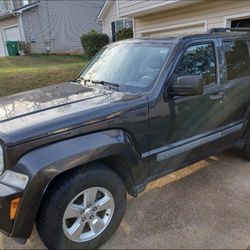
7, 194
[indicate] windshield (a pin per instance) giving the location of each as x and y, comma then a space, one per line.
132, 66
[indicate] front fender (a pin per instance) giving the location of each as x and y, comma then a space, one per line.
42, 165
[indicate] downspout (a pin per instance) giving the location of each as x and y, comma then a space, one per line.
30, 26
134, 32
48, 48
118, 9
21, 29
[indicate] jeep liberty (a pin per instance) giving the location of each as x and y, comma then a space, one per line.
141, 109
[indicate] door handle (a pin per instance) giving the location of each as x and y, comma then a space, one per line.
217, 96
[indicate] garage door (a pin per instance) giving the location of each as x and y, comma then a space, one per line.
177, 31
2, 51
12, 34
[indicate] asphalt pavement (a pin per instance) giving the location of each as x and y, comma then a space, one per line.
204, 206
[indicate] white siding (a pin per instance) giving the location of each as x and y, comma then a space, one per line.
110, 16
128, 8
213, 12
59, 24
8, 22
173, 31
5, 6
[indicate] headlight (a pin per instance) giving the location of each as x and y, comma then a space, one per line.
1, 160
14, 179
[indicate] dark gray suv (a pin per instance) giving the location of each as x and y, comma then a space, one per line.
141, 109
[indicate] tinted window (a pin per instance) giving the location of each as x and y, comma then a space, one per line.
237, 59
198, 60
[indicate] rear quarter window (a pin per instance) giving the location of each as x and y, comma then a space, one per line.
237, 59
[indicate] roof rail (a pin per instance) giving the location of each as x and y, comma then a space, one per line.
215, 30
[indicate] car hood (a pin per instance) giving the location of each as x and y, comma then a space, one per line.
41, 112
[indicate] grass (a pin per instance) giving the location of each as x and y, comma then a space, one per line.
23, 73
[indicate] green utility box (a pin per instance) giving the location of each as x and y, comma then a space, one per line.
12, 47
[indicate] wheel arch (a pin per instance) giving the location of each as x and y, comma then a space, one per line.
113, 148
116, 163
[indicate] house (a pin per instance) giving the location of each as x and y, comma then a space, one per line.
50, 26
158, 18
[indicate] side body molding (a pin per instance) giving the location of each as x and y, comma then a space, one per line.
42, 165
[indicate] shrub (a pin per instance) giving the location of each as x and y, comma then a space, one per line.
124, 33
93, 41
25, 47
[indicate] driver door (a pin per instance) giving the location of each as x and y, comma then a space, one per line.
184, 128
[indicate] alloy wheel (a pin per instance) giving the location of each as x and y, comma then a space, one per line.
88, 214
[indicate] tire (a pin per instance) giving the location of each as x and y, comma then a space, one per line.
73, 196
247, 150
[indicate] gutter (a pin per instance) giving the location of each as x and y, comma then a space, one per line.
17, 12
103, 10
22, 9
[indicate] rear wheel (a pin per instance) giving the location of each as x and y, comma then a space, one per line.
83, 211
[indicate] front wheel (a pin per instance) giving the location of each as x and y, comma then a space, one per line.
83, 211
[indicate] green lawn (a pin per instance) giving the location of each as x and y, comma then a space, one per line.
28, 72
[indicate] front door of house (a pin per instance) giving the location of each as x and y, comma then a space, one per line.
11, 34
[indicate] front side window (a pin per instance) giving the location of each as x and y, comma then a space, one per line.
133, 66
198, 60
237, 59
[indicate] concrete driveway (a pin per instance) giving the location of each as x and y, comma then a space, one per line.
206, 205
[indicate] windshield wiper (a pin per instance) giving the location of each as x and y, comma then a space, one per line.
105, 83
78, 80
116, 85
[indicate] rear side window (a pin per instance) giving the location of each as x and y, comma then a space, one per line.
237, 59
198, 60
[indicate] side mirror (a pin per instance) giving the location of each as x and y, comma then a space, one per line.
188, 85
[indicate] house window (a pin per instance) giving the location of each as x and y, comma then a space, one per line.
120, 24
241, 23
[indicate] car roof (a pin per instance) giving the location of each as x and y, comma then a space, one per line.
223, 35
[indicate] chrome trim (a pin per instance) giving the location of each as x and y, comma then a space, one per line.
189, 146
183, 146
232, 129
